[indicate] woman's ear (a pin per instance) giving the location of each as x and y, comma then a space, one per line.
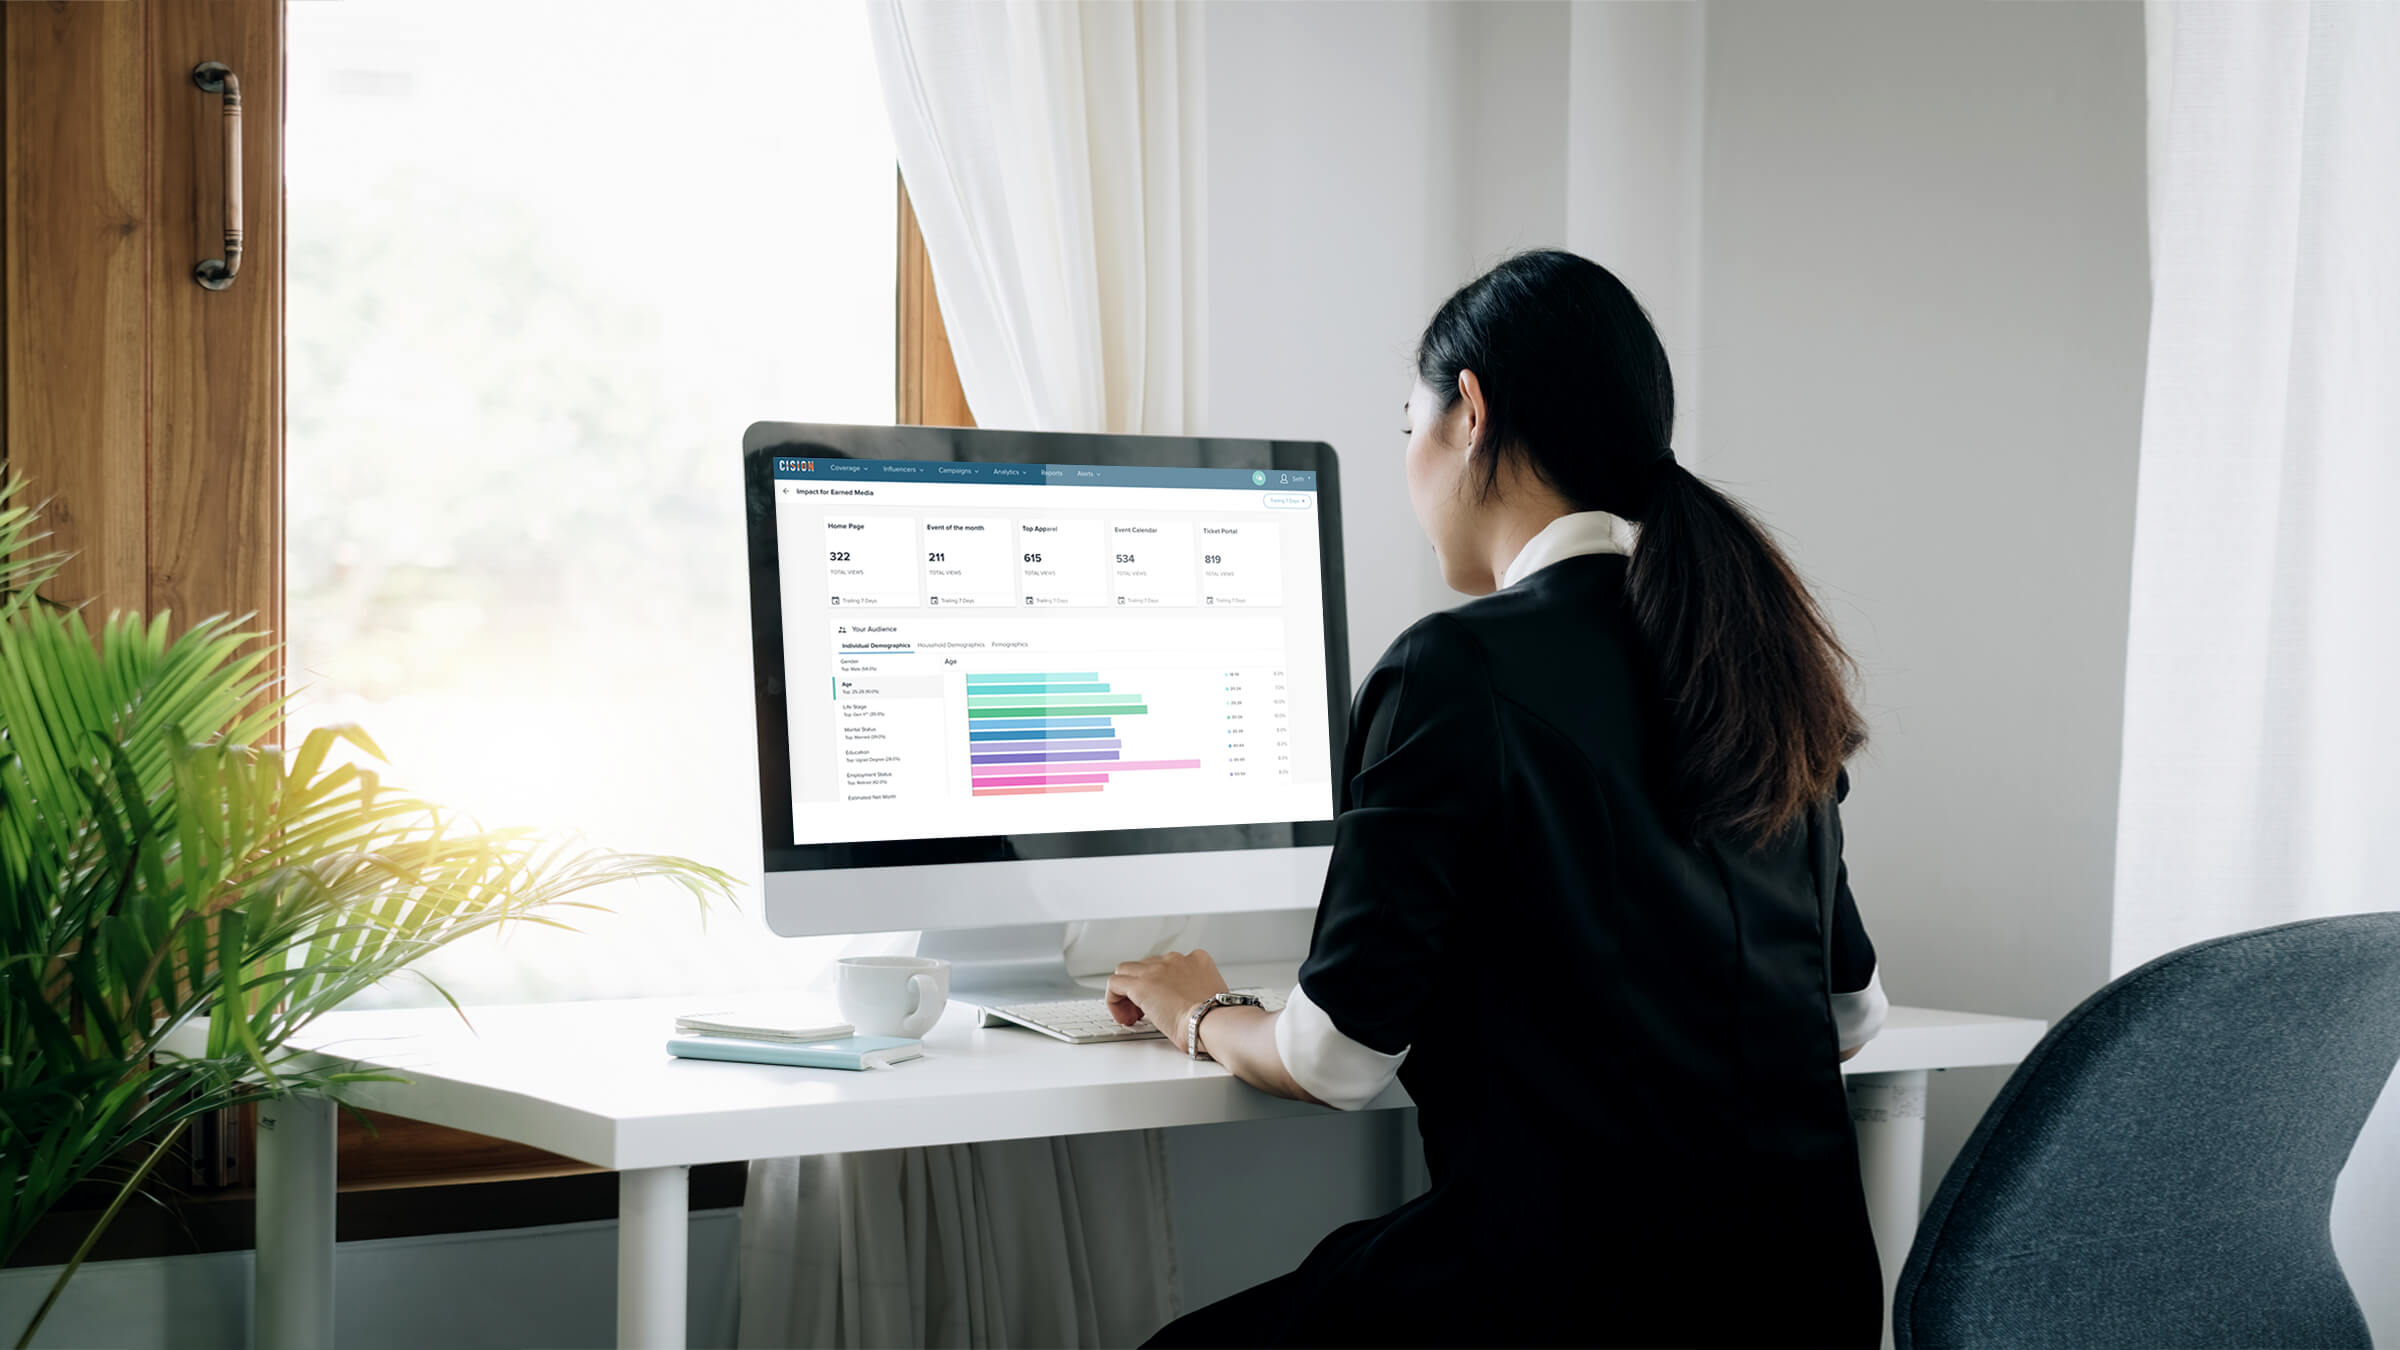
1470, 397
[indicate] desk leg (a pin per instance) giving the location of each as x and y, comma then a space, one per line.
294, 1276
653, 1240
1888, 1110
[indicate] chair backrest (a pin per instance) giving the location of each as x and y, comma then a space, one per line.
2160, 1171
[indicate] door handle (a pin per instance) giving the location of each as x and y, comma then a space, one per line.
215, 77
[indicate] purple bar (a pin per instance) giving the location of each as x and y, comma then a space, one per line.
1061, 757
1037, 747
1040, 779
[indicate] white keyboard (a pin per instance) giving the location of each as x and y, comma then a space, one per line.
1086, 1021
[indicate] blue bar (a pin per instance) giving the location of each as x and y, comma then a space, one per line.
1053, 757
1019, 727
1056, 733
823, 469
1039, 747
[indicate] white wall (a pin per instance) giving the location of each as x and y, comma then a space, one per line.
1634, 120
1329, 243
1925, 314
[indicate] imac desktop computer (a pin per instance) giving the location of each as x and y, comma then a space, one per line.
1006, 680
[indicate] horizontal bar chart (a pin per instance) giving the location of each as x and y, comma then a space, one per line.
1041, 732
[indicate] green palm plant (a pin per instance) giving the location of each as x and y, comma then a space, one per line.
163, 863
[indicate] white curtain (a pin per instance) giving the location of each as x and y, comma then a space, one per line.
1051, 151
1030, 1242
2262, 688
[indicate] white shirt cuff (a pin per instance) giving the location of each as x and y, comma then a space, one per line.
1857, 1017
1336, 1070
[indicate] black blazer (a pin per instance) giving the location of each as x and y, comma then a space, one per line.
1621, 1043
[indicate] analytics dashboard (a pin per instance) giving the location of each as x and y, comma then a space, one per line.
980, 649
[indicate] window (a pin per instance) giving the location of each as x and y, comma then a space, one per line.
546, 262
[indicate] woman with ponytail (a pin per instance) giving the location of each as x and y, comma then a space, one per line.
1586, 898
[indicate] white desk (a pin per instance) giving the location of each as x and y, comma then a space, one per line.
591, 1081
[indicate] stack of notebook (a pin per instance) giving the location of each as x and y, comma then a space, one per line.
802, 1036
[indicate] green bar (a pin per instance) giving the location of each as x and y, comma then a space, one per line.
1033, 679
980, 690
1053, 710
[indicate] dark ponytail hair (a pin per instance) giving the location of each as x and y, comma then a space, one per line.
1576, 388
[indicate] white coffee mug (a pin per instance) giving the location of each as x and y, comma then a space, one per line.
893, 995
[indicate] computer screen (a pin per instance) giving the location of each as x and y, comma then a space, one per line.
1127, 649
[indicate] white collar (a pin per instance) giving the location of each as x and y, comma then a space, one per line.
1569, 536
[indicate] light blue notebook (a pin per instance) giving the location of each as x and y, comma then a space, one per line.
847, 1052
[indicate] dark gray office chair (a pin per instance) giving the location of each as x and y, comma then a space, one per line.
2159, 1171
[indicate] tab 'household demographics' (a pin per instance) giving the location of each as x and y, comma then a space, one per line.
1048, 732
1025, 649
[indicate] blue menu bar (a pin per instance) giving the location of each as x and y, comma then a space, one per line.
1040, 475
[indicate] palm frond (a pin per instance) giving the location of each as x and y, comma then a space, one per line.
163, 864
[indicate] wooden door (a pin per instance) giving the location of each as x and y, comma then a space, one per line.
146, 409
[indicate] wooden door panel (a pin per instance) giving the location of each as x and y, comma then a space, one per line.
216, 365
929, 391
76, 234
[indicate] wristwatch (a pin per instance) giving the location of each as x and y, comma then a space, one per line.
1191, 1021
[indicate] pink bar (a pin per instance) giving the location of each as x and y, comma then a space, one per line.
1009, 775
1021, 791
1039, 779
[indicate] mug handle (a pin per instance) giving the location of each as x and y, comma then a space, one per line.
927, 1009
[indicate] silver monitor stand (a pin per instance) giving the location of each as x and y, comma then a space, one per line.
1018, 963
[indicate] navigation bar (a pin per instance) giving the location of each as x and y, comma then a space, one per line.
800, 469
